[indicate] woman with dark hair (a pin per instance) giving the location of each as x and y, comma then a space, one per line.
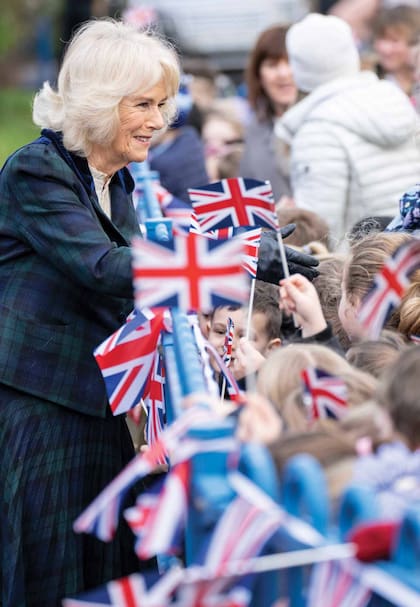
271, 91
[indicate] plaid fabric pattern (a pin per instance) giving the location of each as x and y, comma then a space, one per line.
65, 273
53, 462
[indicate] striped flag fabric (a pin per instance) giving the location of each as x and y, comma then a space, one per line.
159, 516
130, 591
125, 592
101, 517
227, 347
234, 391
324, 395
198, 274
234, 202
154, 404
331, 585
388, 288
174, 208
126, 359
251, 239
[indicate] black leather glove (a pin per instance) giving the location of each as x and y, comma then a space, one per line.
270, 268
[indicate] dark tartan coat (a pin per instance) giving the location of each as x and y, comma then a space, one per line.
65, 273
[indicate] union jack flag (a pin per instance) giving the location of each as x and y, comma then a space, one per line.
241, 533
232, 385
125, 592
102, 515
332, 586
324, 395
199, 274
158, 518
126, 360
227, 348
130, 591
251, 239
388, 288
154, 404
172, 207
234, 202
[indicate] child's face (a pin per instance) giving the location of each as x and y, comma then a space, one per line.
258, 334
347, 313
218, 328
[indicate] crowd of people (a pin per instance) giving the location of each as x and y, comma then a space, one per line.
333, 125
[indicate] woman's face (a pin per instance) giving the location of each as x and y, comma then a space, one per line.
393, 50
278, 84
140, 116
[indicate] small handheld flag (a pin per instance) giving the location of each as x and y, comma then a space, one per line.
198, 274
234, 202
325, 395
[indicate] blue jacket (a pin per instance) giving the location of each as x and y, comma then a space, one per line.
65, 273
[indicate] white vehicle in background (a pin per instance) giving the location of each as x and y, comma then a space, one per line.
221, 30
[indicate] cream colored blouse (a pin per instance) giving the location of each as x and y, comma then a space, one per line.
101, 182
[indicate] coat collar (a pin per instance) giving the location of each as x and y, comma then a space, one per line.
80, 166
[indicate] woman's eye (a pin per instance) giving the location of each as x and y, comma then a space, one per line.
143, 104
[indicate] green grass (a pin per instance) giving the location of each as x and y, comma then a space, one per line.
16, 127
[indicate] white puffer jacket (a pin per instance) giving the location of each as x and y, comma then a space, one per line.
353, 150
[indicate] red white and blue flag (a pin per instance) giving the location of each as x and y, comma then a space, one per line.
172, 207
388, 288
324, 395
251, 238
227, 347
126, 360
154, 404
331, 585
234, 391
234, 202
130, 591
101, 517
252, 241
246, 525
199, 274
159, 516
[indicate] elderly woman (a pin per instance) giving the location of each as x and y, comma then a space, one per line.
66, 222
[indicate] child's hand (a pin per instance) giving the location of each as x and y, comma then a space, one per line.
259, 421
247, 359
298, 296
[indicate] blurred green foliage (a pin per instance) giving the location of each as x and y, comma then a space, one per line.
16, 126
17, 21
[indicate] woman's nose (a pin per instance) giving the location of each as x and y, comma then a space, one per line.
155, 120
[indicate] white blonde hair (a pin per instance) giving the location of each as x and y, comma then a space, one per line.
105, 61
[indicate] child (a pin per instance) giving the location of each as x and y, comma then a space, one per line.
366, 258
251, 345
394, 471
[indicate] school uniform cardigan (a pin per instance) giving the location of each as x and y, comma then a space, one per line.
65, 273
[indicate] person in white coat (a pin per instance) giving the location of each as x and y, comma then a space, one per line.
352, 137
